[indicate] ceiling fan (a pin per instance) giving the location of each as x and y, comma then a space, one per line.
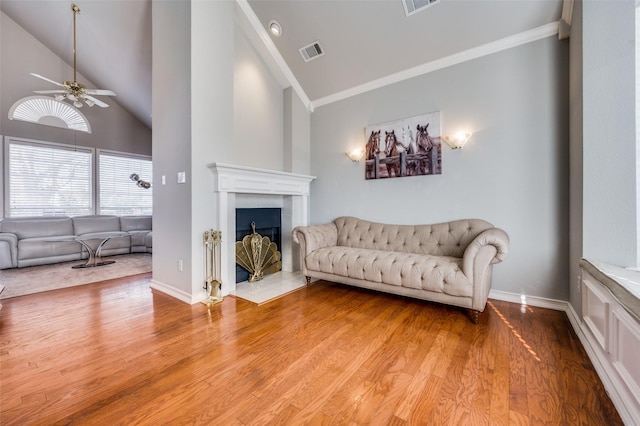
72, 90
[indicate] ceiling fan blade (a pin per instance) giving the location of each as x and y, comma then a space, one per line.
47, 92
47, 79
97, 101
100, 92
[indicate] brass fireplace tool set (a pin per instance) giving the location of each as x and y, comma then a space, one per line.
255, 253
212, 240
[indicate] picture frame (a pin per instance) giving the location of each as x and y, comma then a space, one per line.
407, 147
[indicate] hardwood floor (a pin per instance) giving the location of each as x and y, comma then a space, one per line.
117, 353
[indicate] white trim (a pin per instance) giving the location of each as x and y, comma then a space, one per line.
231, 180
522, 299
173, 292
544, 31
603, 368
567, 11
252, 180
275, 53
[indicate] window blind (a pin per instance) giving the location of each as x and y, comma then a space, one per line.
120, 195
49, 180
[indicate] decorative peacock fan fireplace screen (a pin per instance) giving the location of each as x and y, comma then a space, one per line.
258, 255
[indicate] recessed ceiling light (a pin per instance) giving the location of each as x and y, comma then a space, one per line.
275, 28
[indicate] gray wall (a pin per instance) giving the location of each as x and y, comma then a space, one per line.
513, 172
604, 153
609, 135
112, 128
171, 86
576, 156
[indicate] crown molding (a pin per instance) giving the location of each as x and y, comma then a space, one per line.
515, 40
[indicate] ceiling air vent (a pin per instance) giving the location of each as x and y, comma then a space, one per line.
311, 51
413, 6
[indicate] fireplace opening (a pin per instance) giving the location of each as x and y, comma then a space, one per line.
268, 224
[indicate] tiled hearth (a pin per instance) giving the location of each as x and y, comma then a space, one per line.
270, 287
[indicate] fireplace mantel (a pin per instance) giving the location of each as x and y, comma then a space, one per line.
250, 180
230, 180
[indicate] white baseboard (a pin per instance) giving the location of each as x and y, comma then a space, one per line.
172, 291
540, 302
615, 388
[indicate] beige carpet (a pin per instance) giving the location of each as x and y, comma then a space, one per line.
35, 279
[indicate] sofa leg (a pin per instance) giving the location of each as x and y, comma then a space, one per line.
308, 279
475, 316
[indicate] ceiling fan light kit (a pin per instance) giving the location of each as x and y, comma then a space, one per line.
72, 90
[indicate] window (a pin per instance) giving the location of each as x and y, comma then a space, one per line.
119, 194
48, 179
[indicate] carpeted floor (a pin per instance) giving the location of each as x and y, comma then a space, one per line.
35, 279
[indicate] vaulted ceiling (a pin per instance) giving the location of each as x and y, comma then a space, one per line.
364, 41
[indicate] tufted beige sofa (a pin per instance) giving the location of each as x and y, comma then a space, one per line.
449, 263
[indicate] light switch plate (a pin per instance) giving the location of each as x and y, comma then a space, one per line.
182, 178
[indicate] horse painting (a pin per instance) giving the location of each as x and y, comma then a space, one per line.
409, 141
372, 150
393, 147
423, 140
426, 144
373, 145
406, 147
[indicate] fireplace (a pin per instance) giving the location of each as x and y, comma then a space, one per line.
248, 187
268, 223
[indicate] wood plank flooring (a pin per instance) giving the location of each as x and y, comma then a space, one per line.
118, 353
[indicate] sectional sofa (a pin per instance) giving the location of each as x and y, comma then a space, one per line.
31, 241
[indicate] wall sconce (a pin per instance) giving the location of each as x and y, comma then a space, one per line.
355, 155
141, 183
458, 140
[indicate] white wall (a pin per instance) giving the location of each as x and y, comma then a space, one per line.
297, 134
258, 110
513, 172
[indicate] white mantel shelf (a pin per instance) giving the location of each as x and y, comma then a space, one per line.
251, 180
231, 180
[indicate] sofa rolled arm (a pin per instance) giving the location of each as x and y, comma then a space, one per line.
8, 250
314, 237
495, 237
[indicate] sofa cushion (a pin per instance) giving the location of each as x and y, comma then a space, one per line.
95, 224
33, 227
440, 274
42, 247
135, 223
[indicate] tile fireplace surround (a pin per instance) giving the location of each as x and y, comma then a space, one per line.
245, 187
